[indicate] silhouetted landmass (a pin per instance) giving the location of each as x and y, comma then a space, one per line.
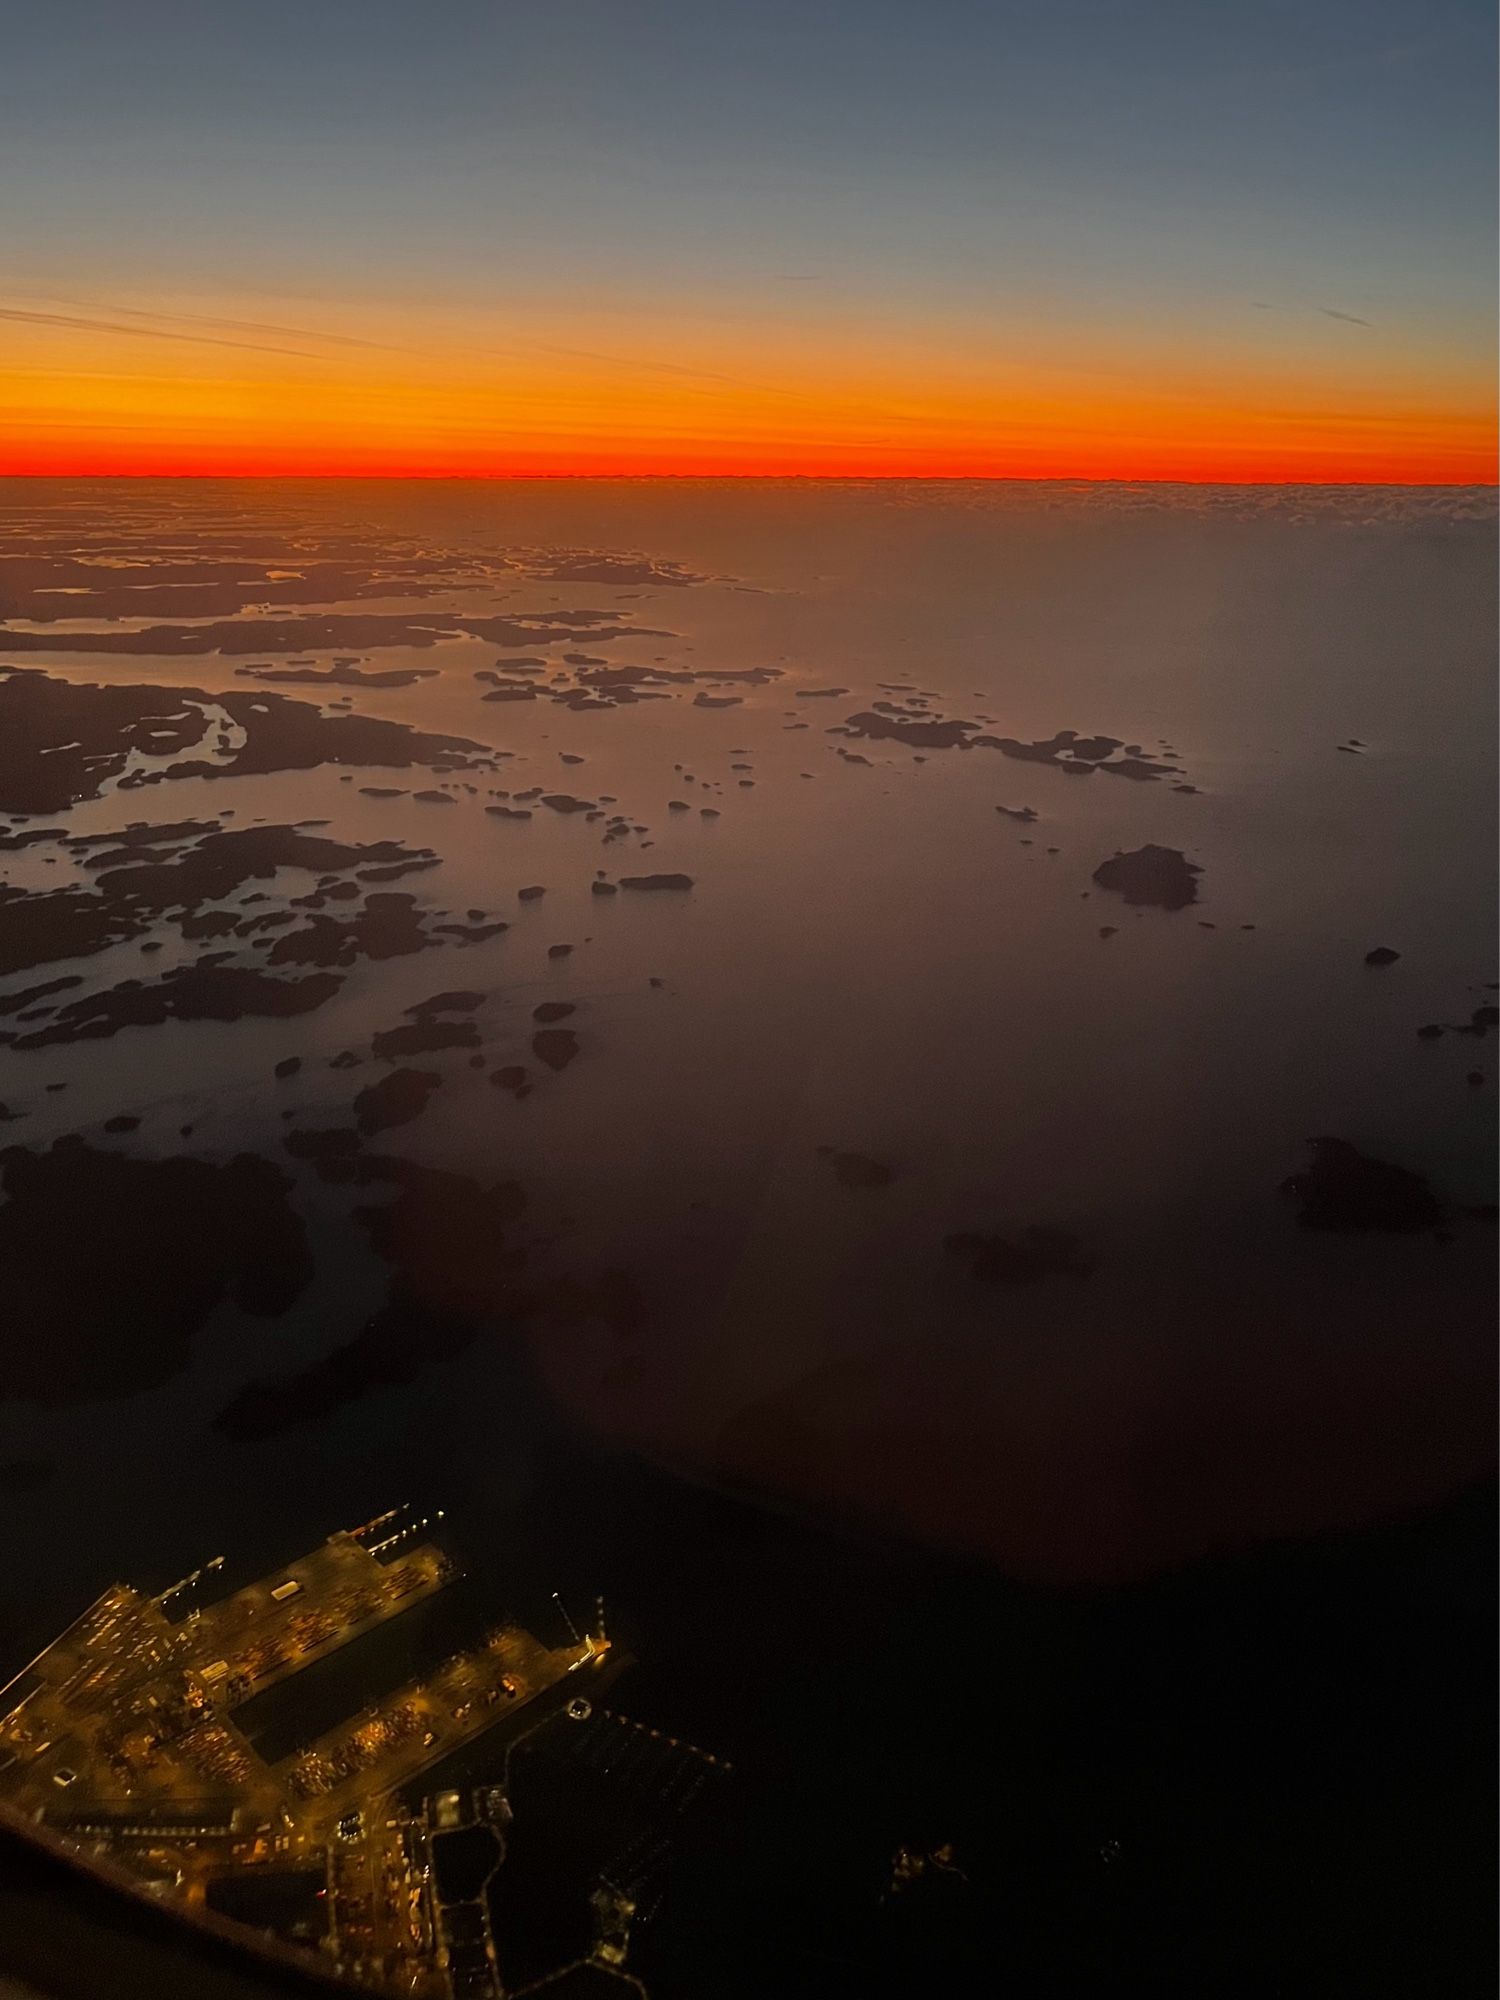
417, 1331
395, 1100
1079, 756
28, 996
1067, 751
395, 1345
222, 862
925, 732
44, 925
462, 1001
140, 840
206, 991
62, 741
387, 926
333, 632
425, 1037
38, 926
1345, 1190
455, 1273
455, 1277
1479, 1023
55, 585
341, 674
1022, 1258
12, 841
1151, 875
588, 568
113, 1263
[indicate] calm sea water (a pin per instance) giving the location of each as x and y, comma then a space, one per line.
872, 961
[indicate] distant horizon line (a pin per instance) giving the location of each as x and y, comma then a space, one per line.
744, 479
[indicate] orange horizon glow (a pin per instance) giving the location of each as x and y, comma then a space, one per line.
1313, 464
1277, 452
605, 469
387, 394
1186, 245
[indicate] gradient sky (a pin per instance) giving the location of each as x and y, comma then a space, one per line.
1073, 238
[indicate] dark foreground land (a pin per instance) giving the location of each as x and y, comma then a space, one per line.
1265, 1774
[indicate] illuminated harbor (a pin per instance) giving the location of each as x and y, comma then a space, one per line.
123, 1734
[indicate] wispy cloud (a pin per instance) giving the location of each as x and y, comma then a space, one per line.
207, 329
79, 323
1328, 312
174, 319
